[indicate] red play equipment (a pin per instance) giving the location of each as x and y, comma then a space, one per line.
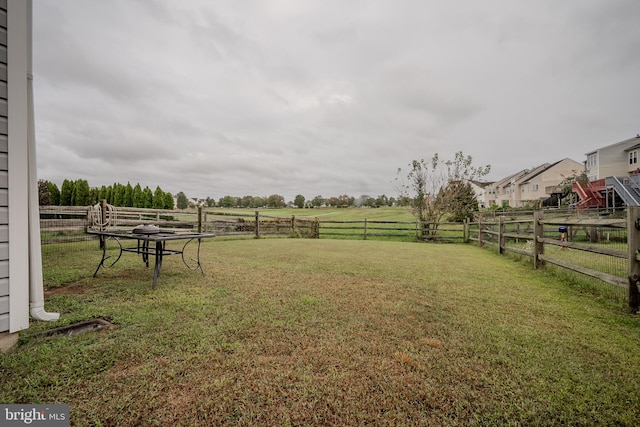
590, 193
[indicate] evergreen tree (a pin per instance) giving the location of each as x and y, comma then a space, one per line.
137, 198
168, 201
72, 202
93, 199
128, 196
148, 198
109, 195
118, 195
159, 198
54, 193
65, 193
181, 201
102, 194
81, 195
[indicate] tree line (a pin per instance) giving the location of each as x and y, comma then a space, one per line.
435, 190
300, 201
79, 193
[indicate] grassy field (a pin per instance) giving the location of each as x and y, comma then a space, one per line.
346, 214
329, 332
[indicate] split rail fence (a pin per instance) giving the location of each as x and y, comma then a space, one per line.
607, 249
60, 224
600, 247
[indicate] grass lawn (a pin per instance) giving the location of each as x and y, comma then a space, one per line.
329, 332
335, 214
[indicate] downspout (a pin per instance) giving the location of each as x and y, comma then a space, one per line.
36, 286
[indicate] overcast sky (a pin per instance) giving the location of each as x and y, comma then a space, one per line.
325, 97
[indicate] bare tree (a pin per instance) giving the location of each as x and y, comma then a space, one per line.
434, 189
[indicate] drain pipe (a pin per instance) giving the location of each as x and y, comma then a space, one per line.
36, 286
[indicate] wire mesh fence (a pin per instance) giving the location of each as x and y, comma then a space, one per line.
589, 248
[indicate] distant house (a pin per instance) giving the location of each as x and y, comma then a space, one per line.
529, 187
541, 183
481, 190
619, 159
501, 192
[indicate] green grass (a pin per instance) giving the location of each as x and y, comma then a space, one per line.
325, 332
346, 214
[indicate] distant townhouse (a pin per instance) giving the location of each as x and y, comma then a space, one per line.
530, 187
619, 159
504, 189
543, 182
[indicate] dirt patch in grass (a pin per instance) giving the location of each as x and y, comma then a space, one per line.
69, 289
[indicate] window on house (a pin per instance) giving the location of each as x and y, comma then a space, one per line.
633, 157
591, 160
534, 187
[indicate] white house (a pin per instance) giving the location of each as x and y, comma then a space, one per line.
619, 159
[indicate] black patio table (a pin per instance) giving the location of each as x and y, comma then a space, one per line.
143, 248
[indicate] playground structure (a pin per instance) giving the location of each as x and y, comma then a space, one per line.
590, 193
609, 192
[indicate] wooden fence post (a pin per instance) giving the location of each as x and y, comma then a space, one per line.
257, 224
465, 230
633, 244
480, 231
538, 235
200, 219
365, 229
501, 239
103, 213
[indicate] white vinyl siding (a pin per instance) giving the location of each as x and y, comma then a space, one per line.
4, 174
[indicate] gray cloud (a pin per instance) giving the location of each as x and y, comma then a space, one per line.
324, 97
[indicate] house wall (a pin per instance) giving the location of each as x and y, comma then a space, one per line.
4, 175
613, 160
14, 270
